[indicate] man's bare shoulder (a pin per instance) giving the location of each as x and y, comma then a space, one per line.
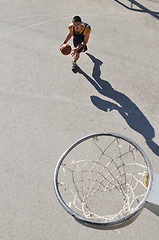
88, 30
70, 26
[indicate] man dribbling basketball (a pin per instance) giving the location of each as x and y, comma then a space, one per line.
80, 32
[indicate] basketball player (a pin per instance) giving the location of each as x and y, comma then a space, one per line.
80, 32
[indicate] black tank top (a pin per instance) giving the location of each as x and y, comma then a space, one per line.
80, 36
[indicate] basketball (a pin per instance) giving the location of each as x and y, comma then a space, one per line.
66, 49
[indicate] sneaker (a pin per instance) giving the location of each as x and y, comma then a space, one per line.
74, 65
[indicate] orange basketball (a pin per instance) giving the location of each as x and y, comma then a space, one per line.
66, 49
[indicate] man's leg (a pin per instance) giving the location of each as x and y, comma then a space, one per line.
75, 58
77, 55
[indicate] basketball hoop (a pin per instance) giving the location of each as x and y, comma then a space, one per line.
104, 181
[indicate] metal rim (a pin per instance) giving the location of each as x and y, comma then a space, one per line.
93, 223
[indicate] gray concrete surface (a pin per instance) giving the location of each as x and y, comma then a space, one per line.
44, 107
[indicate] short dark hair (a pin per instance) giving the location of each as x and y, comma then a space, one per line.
77, 19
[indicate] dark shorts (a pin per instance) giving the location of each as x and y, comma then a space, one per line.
76, 43
83, 49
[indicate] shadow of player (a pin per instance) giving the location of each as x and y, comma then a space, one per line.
124, 106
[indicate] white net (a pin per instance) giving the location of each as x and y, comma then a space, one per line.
103, 178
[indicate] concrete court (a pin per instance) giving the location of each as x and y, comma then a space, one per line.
44, 107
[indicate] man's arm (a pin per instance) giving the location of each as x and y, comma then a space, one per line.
86, 38
69, 34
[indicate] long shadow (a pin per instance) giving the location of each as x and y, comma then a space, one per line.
126, 108
140, 6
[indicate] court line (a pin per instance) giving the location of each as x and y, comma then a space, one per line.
52, 20
30, 26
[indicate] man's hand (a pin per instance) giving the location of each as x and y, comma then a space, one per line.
74, 51
63, 44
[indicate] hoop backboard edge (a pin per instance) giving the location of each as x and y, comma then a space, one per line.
152, 201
